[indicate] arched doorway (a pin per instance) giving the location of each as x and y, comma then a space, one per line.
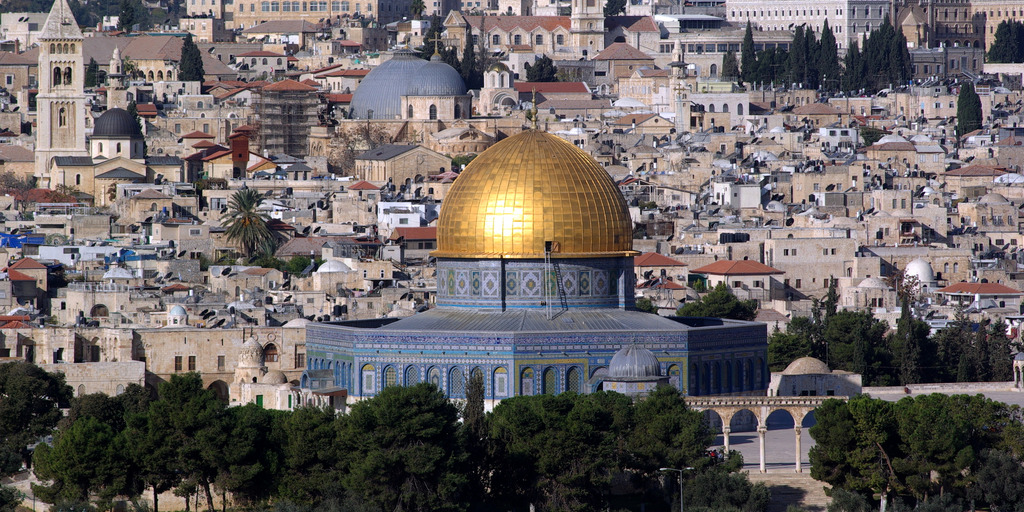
99, 310
220, 390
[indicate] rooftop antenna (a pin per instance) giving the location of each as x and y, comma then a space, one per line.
534, 110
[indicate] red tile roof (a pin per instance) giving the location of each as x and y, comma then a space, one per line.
339, 98
551, 87
176, 287
28, 264
289, 85
197, 135
363, 185
415, 233
622, 51
979, 288
510, 23
14, 275
736, 268
663, 285
816, 109
653, 259
15, 325
976, 170
346, 72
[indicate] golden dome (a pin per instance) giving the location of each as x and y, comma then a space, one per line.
528, 189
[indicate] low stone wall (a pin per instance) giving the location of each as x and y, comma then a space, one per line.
110, 378
943, 387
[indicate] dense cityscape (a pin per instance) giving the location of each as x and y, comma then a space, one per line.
400, 255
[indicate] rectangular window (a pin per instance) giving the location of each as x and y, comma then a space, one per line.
798, 283
195, 232
191, 363
785, 252
300, 360
177, 363
220, 363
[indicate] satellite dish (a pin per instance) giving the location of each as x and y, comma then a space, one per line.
182, 253
226, 271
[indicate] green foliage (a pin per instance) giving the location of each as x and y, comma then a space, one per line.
190, 67
268, 261
10, 499
29, 410
646, 305
543, 70
720, 303
871, 135
748, 56
401, 451
968, 110
718, 490
730, 66
461, 160
828, 60
416, 8
471, 67
297, 264
614, 7
916, 449
91, 72
246, 225
1008, 43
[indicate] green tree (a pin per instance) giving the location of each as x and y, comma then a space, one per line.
870, 134
646, 305
470, 70
910, 345
543, 70
297, 264
854, 73
797, 64
748, 57
855, 342
246, 225
402, 451
614, 8
668, 433
190, 67
720, 303
730, 66
417, 8
153, 458
828, 60
85, 461
249, 460
1005, 46
10, 499
30, 408
91, 72
308, 476
128, 15
786, 347
968, 110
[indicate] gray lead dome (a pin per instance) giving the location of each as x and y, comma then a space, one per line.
634, 363
404, 75
117, 123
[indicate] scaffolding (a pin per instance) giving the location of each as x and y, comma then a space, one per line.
285, 116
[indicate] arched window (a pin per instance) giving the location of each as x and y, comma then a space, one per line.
674, 376
500, 383
151, 76
725, 108
270, 353
264, 62
100, 147
390, 376
739, 109
573, 382
78, 179
62, 117
550, 381
368, 386
456, 383
72, 47
526, 382
458, 111
53, 48
56, 76
433, 111
711, 108
504, 80
160, 76
408, 112
412, 375
67, 75
119, 148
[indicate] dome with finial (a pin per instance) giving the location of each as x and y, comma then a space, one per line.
634, 363
379, 95
251, 355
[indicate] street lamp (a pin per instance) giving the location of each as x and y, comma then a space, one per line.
680, 471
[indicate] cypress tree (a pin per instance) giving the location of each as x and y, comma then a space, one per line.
968, 110
469, 65
798, 57
853, 74
1005, 46
90, 73
126, 16
730, 66
748, 59
828, 59
190, 67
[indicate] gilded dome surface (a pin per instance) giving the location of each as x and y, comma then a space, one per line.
528, 189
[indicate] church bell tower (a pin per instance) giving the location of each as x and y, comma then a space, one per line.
60, 104
586, 27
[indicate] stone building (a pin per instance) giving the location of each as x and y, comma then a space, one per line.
402, 165
808, 376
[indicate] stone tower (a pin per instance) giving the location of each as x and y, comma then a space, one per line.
61, 108
586, 25
679, 89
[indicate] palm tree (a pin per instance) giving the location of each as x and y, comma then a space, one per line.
417, 7
245, 224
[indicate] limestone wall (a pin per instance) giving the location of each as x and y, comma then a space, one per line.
110, 378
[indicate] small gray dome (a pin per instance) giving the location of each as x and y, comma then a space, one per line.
807, 366
382, 89
634, 363
116, 123
177, 310
274, 377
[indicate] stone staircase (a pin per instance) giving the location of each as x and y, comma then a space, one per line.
789, 488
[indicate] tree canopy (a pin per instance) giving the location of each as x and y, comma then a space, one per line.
246, 225
720, 303
968, 110
543, 70
1008, 43
190, 67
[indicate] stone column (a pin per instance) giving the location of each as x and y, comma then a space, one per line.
761, 430
725, 438
796, 429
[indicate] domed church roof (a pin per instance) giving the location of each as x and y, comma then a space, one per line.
405, 74
251, 355
526, 190
116, 123
806, 366
634, 363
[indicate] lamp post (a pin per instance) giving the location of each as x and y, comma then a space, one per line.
680, 471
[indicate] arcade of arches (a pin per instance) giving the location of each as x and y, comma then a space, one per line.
729, 408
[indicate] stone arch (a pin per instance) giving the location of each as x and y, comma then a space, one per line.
781, 418
714, 70
220, 390
739, 109
99, 310
550, 381
160, 75
714, 419
526, 381
725, 108
271, 353
56, 75
81, 390
711, 108
67, 75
